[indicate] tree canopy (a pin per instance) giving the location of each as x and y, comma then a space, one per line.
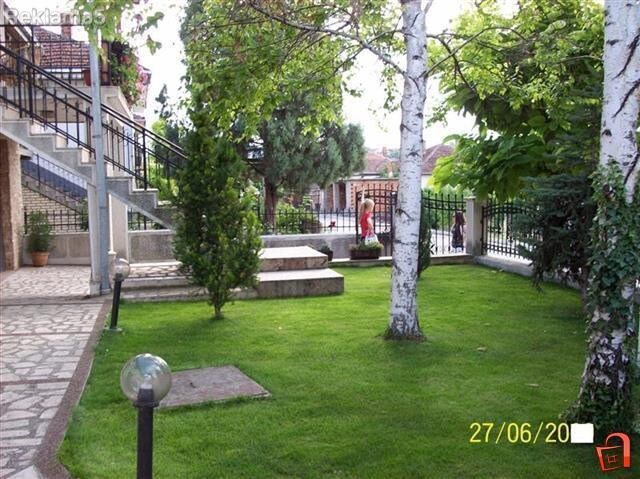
534, 84
288, 157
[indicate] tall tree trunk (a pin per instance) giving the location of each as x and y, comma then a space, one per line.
605, 397
404, 315
270, 203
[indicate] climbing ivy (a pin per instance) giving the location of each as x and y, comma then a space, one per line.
605, 397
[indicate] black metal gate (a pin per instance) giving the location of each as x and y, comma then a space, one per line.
385, 200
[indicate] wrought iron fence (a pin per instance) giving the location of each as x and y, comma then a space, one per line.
498, 228
289, 219
139, 222
62, 221
441, 210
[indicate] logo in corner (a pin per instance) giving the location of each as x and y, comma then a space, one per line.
615, 453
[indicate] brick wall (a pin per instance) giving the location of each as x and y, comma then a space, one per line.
59, 213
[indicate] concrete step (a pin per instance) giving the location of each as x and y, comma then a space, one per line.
175, 293
292, 258
144, 201
308, 282
271, 284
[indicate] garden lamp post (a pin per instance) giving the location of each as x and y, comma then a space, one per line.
145, 380
121, 270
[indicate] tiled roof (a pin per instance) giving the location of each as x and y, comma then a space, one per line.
431, 155
61, 52
374, 161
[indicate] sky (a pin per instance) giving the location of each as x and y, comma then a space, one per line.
381, 128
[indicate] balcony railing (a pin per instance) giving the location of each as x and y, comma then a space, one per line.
63, 109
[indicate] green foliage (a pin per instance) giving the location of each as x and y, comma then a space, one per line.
105, 16
295, 220
362, 246
124, 67
242, 66
534, 81
291, 158
614, 270
39, 235
554, 225
217, 233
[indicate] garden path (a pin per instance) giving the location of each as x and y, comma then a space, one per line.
48, 327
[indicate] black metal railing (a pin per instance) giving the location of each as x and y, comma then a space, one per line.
447, 235
305, 220
139, 222
61, 54
65, 110
44, 172
498, 228
62, 221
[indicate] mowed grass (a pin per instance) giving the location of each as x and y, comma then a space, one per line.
345, 402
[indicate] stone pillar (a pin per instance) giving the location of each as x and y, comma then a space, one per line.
11, 210
336, 196
119, 227
473, 216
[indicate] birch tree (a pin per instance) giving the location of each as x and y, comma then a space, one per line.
403, 321
605, 396
279, 43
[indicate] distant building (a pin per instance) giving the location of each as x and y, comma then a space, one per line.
380, 173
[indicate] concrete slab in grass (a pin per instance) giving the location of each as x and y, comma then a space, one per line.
197, 386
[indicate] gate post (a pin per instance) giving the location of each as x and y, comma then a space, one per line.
473, 216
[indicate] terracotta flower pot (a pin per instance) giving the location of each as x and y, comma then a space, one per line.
39, 258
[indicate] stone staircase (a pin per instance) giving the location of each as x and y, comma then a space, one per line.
55, 148
285, 272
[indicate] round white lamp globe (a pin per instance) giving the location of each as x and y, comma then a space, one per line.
145, 378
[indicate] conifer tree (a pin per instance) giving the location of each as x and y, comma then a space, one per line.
217, 233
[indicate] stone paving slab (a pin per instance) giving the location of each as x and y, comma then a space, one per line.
50, 318
38, 357
45, 328
49, 282
26, 410
196, 386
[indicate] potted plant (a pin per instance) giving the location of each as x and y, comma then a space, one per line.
365, 251
325, 249
39, 238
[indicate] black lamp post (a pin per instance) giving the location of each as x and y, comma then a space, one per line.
145, 379
121, 270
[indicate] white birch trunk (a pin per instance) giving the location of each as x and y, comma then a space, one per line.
404, 315
607, 366
620, 106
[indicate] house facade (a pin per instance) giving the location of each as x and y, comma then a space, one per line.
47, 154
380, 173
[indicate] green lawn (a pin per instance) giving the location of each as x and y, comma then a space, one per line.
347, 403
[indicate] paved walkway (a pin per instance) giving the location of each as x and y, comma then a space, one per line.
47, 330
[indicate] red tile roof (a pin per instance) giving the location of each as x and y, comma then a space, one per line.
61, 52
431, 155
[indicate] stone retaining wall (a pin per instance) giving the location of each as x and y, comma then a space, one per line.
68, 249
155, 245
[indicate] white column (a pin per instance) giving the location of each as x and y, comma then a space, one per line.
473, 228
336, 196
118, 227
